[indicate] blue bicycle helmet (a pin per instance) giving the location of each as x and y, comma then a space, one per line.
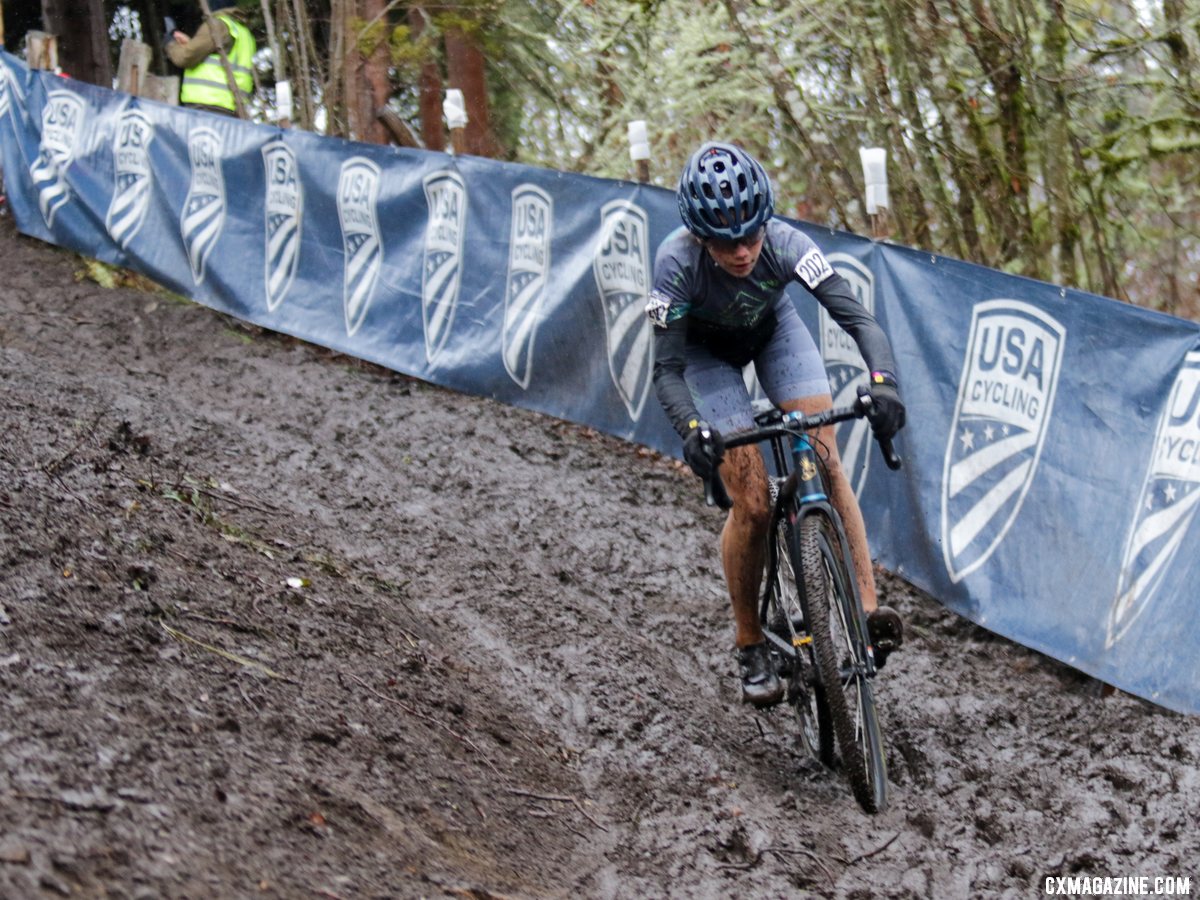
724, 193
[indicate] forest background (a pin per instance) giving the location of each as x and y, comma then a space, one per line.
1052, 139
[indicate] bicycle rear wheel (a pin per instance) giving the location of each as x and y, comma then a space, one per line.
785, 617
838, 629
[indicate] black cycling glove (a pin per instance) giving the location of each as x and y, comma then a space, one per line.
887, 410
703, 448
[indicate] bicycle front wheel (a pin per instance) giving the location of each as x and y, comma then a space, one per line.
785, 617
838, 628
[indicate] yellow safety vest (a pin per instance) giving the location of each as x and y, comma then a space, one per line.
206, 83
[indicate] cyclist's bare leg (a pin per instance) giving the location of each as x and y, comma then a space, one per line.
841, 495
743, 538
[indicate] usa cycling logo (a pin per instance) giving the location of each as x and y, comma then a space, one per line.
283, 212
62, 120
7, 89
12, 96
847, 369
441, 273
204, 209
621, 266
134, 177
1167, 504
1005, 399
362, 244
528, 271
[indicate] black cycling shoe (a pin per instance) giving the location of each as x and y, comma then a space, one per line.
760, 685
886, 631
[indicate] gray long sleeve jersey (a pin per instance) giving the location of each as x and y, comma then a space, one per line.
692, 294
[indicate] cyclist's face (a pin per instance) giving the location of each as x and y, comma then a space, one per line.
737, 257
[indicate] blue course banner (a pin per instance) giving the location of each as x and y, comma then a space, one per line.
1053, 448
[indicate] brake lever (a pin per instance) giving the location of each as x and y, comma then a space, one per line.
890, 456
715, 493
865, 401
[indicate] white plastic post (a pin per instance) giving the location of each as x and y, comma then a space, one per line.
874, 163
639, 143
454, 108
283, 101
639, 148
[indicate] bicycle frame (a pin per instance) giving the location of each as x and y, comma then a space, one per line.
812, 613
801, 472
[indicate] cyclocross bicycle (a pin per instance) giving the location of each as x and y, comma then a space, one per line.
810, 610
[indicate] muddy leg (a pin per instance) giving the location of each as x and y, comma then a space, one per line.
742, 538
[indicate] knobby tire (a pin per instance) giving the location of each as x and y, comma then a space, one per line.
786, 615
836, 627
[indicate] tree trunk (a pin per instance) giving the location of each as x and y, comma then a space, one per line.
154, 32
429, 100
82, 31
306, 74
336, 88
1056, 146
368, 87
465, 65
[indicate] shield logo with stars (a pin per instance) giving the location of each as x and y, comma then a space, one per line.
204, 209
847, 370
1005, 401
528, 274
134, 177
621, 267
362, 244
62, 121
441, 274
1167, 505
283, 213
5, 90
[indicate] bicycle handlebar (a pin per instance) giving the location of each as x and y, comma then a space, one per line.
795, 424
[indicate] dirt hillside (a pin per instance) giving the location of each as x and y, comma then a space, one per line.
278, 624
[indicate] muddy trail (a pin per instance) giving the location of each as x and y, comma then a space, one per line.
277, 623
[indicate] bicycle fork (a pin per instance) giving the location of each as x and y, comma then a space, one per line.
810, 488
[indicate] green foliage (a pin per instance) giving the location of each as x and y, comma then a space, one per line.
370, 34
605, 64
1049, 139
406, 51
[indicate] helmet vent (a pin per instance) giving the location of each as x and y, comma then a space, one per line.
724, 193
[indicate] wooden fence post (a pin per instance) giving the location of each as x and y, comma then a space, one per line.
133, 64
41, 50
134, 76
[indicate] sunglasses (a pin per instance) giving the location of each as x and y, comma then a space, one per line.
726, 245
